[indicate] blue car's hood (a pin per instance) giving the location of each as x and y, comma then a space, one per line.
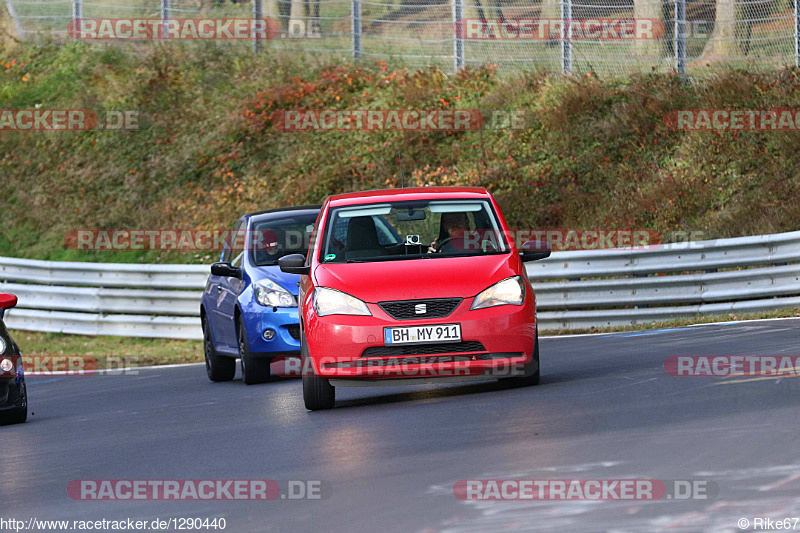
273, 273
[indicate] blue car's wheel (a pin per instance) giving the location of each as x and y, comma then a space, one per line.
253, 370
218, 367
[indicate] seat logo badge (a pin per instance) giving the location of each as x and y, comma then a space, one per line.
420, 309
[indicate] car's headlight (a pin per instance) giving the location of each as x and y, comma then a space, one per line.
270, 294
333, 302
510, 291
2, 345
6, 365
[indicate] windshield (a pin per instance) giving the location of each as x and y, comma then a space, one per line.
411, 230
276, 237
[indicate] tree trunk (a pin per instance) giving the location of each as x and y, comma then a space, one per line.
648, 44
722, 43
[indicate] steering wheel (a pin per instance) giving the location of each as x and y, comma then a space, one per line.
440, 244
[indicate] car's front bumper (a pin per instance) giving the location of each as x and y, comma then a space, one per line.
505, 334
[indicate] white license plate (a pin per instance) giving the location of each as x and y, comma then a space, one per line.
422, 334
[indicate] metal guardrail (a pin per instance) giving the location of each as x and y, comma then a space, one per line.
105, 298
574, 290
624, 287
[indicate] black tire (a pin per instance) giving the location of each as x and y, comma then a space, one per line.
531, 370
17, 415
218, 367
254, 371
318, 393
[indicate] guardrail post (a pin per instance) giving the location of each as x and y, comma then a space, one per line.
15, 18
458, 36
165, 8
258, 15
356, 28
680, 37
566, 36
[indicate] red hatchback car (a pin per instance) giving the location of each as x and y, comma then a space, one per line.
416, 285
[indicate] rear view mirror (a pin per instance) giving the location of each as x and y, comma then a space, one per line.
294, 264
534, 250
226, 270
411, 214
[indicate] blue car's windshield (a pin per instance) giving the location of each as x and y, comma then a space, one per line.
276, 237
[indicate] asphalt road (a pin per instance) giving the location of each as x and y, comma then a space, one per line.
391, 455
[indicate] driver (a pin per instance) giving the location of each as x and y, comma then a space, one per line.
452, 225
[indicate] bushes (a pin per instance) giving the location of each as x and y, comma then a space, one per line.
593, 153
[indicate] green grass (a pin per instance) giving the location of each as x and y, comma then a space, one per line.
679, 322
132, 351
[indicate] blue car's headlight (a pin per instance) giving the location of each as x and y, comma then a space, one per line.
270, 294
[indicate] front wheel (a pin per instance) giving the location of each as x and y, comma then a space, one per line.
218, 367
318, 393
531, 371
18, 415
254, 370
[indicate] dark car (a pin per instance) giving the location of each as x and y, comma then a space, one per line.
13, 396
249, 307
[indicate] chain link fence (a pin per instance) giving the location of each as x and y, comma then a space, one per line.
609, 37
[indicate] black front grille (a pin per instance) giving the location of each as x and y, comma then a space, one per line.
294, 331
424, 349
407, 309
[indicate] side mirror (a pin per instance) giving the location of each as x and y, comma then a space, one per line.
294, 264
227, 270
534, 250
6, 302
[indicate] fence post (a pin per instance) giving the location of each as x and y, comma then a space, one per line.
458, 36
566, 36
680, 38
15, 18
356, 28
165, 7
77, 9
796, 33
258, 18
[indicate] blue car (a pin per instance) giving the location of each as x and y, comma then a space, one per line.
249, 307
